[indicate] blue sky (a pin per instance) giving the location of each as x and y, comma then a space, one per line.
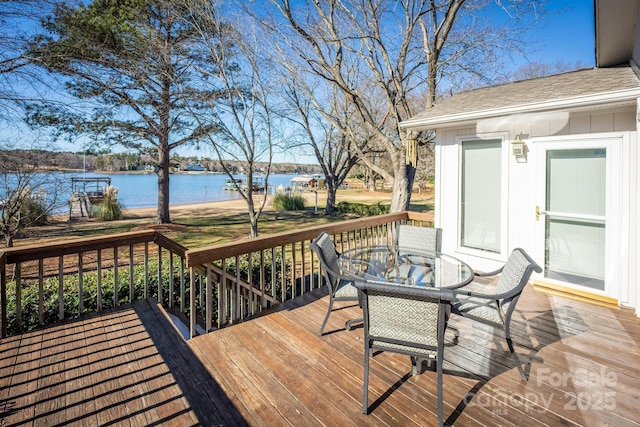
568, 35
565, 35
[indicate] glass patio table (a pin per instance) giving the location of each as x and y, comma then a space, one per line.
405, 266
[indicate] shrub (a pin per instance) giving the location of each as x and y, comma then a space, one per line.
275, 273
287, 202
362, 209
33, 212
110, 209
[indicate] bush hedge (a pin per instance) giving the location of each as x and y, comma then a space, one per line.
30, 299
363, 209
287, 202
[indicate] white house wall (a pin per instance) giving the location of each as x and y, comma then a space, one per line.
520, 173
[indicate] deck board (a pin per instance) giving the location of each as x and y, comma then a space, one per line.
113, 368
129, 366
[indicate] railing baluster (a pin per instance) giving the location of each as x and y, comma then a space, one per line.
304, 269
170, 279
3, 298
99, 280
192, 302
293, 271
19, 296
116, 290
238, 289
263, 300
160, 300
80, 284
131, 275
224, 283
221, 318
40, 292
274, 266
146, 270
209, 300
181, 285
252, 308
61, 287
283, 274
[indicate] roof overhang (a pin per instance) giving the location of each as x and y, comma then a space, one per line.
615, 26
575, 104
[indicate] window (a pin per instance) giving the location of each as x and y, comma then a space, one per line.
481, 196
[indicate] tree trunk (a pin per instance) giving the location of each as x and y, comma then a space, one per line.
402, 184
163, 216
331, 197
253, 219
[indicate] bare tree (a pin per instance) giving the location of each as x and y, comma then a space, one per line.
328, 128
132, 66
242, 112
19, 79
393, 48
29, 193
532, 70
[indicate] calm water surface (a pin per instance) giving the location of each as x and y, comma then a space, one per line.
141, 190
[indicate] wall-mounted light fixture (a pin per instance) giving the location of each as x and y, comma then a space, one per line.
517, 147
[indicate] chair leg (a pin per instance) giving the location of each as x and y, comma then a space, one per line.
414, 365
349, 324
365, 388
456, 332
440, 393
513, 352
326, 318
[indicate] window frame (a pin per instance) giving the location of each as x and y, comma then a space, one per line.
504, 192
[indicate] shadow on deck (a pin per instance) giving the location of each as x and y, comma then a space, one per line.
131, 367
125, 367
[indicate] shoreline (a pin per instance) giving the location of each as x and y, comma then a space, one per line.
180, 209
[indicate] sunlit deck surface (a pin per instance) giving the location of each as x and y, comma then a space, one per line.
130, 367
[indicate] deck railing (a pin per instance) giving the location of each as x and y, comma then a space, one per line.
224, 284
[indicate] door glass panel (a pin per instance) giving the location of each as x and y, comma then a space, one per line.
576, 181
575, 223
575, 251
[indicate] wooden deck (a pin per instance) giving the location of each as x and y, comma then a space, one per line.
130, 367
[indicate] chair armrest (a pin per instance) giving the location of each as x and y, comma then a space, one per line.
489, 273
481, 295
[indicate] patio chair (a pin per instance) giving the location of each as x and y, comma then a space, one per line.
406, 320
425, 238
341, 288
495, 305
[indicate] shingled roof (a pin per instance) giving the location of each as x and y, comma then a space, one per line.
569, 89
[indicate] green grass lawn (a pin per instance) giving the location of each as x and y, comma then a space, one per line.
204, 227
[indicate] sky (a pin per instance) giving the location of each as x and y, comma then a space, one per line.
566, 35
569, 34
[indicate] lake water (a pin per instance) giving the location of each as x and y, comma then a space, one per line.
141, 190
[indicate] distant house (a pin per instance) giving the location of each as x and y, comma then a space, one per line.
304, 182
195, 167
549, 165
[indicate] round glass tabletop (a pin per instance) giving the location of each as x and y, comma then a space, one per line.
405, 266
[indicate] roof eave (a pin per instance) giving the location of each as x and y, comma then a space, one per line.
627, 96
